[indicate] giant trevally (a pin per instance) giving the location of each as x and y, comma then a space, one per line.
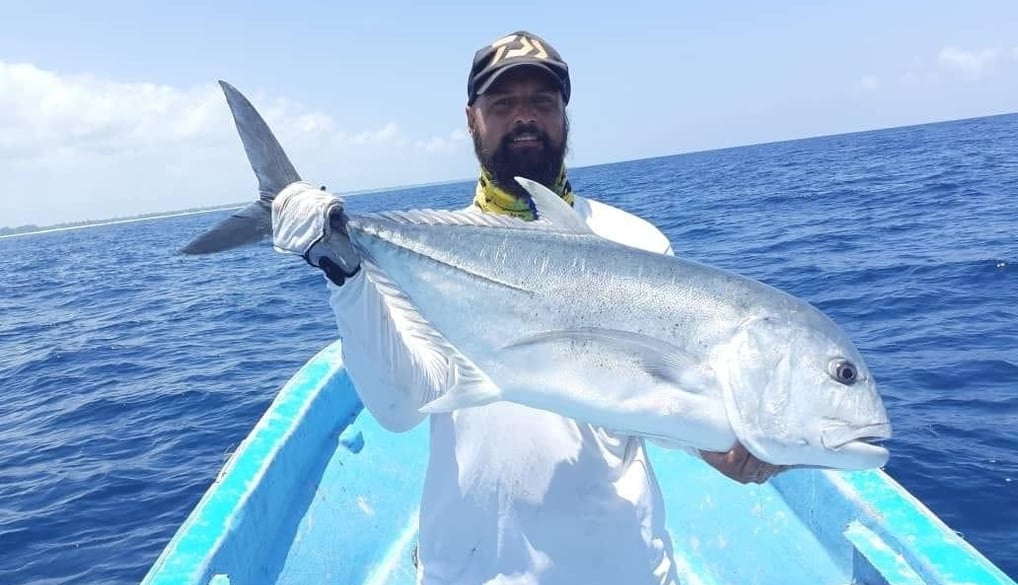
549, 315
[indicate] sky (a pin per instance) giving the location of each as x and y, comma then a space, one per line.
111, 109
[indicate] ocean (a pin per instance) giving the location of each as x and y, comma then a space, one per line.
129, 372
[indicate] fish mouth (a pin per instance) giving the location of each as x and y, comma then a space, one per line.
837, 436
856, 447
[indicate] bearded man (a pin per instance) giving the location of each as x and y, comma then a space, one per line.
512, 494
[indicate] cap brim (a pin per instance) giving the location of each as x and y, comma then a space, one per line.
511, 66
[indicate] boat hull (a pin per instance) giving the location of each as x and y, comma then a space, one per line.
318, 493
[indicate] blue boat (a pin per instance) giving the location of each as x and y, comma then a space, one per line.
318, 493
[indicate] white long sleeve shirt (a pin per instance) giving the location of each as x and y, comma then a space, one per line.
513, 495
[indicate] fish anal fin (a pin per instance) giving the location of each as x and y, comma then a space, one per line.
470, 387
465, 384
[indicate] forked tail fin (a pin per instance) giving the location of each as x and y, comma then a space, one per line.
270, 165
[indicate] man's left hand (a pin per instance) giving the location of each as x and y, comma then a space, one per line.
739, 464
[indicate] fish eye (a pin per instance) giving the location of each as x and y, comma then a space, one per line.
844, 371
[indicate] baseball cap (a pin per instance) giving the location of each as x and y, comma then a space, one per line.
515, 50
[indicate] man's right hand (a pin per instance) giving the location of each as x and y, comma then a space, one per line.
311, 222
739, 464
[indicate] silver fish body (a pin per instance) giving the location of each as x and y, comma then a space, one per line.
634, 341
550, 315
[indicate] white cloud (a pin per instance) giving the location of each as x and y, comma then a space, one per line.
451, 143
388, 134
954, 63
43, 112
921, 79
869, 84
971, 64
93, 148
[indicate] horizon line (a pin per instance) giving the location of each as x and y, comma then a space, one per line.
74, 225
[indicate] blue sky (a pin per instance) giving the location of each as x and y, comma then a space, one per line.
110, 108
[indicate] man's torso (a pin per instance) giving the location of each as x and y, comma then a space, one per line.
518, 495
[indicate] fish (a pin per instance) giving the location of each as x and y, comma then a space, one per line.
550, 315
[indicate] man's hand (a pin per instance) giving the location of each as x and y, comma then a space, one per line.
311, 222
740, 465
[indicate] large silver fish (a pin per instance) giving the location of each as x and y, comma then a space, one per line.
549, 315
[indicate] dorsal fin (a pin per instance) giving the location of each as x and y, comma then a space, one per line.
554, 215
467, 217
552, 209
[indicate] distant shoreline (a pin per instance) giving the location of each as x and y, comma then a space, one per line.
27, 230
80, 226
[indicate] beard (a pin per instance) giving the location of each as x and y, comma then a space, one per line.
504, 163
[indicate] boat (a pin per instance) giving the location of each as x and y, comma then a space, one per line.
319, 493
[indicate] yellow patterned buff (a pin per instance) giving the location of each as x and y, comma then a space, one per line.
490, 198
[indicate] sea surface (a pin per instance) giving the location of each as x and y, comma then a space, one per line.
128, 372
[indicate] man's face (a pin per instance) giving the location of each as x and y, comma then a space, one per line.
519, 128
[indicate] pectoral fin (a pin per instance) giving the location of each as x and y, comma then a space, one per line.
660, 359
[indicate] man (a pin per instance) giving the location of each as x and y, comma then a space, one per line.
512, 494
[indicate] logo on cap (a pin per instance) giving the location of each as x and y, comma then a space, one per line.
529, 47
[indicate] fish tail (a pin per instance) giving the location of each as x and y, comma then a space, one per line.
273, 169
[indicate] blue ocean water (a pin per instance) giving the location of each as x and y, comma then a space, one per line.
129, 372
